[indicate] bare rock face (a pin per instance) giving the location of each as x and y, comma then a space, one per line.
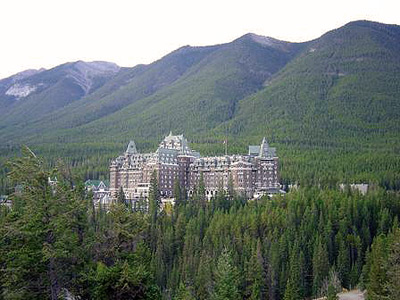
265, 40
20, 90
96, 68
84, 73
15, 86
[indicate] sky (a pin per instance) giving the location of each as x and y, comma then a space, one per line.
45, 33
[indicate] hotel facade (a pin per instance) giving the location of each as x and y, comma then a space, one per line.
252, 175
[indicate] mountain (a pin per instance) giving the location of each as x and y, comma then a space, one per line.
345, 81
201, 79
32, 94
337, 104
329, 105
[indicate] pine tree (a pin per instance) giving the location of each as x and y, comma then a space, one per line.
45, 240
178, 193
121, 196
331, 295
222, 199
293, 289
226, 278
154, 208
320, 266
184, 293
256, 275
377, 277
200, 197
204, 278
154, 198
141, 205
343, 261
393, 273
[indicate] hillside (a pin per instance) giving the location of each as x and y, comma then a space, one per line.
207, 78
31, 94
330, 106
341, 95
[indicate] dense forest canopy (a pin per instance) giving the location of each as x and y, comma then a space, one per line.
304, 244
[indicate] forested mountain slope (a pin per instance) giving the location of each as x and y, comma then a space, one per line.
345, 85
340, 96
127, 88
330, 106
191, 88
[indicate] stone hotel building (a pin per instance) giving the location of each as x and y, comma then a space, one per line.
252, 175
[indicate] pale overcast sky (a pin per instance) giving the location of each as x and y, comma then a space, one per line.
46, 33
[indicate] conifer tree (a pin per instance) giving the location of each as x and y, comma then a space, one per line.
377, 277
121, 196
343, 261
393, 273
200, 197
178, 193
184, 293
141, 205
226, 278
154, 208
320, 266
293, 287
256, 274
45, 241
331, 295
204, 277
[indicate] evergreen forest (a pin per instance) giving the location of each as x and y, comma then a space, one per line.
312, 242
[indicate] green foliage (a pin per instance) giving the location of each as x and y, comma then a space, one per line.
281, 248
123, 281
256, 277
294, 289
184, 293
381, 271
320, 266
53, 242
154, 198
226, 278
332, 294
393, 284
121, 196
43, 238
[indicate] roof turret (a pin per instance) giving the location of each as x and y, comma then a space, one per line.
265, 150
131, 149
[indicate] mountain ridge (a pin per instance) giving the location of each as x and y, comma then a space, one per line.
38, 93
309, 96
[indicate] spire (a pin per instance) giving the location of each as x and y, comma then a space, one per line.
264, 149
131, 149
